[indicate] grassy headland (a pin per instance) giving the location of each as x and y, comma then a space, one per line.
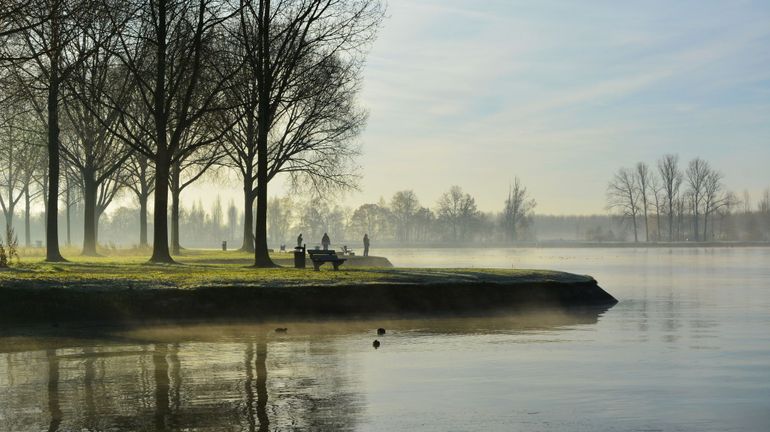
223, 285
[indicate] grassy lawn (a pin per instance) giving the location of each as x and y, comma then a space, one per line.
213, 268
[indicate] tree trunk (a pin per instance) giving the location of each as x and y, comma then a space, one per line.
175, 246
636, 231
160, 217
164, 154
261, 366
27, 228
52, 207
646, 222
175, 192
261, 254
90, 191
670, 219
265, 116
696, 231
248, 218
9, 221
143, 221
69, 211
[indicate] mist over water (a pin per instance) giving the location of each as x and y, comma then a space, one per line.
687, 348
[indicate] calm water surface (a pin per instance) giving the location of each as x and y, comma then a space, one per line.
686, 349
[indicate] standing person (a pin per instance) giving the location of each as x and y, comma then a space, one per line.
299, 240
325, 242
366, 244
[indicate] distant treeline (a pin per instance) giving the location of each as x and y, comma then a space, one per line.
453, 219
403, 220
668, 202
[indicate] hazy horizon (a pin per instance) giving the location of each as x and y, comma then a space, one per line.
560, 95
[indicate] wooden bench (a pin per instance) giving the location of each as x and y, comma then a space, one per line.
319, 257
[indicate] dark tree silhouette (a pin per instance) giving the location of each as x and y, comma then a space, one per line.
139, 179
94, 153
19, 157
41, 55
172, 53
285, 41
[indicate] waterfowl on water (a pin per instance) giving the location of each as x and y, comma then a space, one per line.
380, 331
281, 330
376, 344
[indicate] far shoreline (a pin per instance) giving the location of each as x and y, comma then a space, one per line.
555, 244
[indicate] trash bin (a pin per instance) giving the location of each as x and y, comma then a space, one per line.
224, 245
299, 257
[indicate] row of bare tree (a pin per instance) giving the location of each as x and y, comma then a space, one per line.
454, 219
667, 198
149, 95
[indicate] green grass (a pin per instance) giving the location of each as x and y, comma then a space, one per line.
211, 268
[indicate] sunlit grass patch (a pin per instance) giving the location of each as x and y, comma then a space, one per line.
212, 268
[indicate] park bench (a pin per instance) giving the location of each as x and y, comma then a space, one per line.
319, 257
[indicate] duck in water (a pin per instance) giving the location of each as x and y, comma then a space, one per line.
376, 344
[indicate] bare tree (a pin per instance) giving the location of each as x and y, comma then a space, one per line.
172, 53
658, 196
10, 24
671, 177
89, 147
643, 177
19, 156
372, 219
186, 170
713, 199
697, 175
279, 217
623, 195
456, 209
139, 179
288, 39
41, 56
70, 198
404, 206
518, 207
763, 207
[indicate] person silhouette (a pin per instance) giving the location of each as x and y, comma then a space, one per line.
325, 242
299, 240
366, 244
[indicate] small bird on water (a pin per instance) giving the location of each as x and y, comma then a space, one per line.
376, 344
380, 331
281, 330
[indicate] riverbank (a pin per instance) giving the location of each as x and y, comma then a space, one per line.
210, 285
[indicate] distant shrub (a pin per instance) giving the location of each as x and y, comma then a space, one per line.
11, 250
3, 256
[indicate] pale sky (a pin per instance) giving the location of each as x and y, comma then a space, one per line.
561, 94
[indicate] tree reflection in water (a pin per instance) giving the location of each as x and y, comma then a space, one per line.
212, 377
53, 390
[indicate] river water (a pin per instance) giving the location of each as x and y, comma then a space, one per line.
686, 349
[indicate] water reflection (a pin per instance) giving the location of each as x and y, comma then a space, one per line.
53, 391
204, 377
